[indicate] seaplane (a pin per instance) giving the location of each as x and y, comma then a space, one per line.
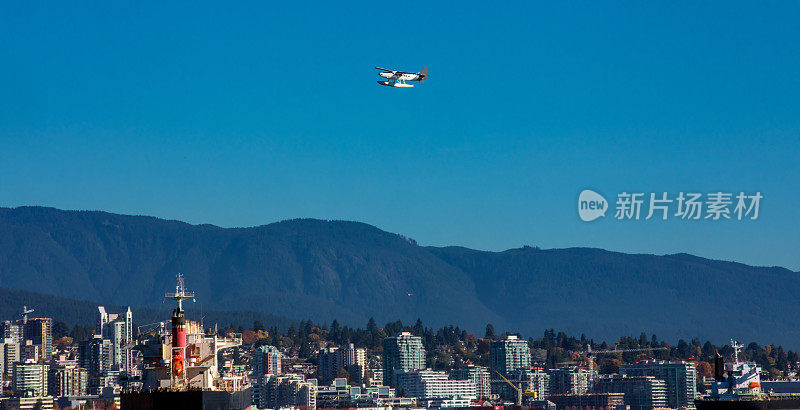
398, 78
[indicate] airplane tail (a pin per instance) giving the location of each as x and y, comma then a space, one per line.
423, 74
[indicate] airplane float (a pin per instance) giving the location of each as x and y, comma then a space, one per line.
399, 78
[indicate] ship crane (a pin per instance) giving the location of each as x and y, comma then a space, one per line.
590, 354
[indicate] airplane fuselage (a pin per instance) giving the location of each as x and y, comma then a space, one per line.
393, 75
398, 78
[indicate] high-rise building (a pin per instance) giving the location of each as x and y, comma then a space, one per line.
478, 374
403, 353
29, 379
40, 331
11, 330
506, 356
67, 379
326, 365
94, 355
571, 380
351, 359
118, 328
266, 362
11, 355
509, 354
354, 361
641, 392
680, 378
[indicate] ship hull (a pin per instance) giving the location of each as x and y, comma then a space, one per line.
766, 404
190, 399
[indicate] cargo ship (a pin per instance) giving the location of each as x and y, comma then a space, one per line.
737, 386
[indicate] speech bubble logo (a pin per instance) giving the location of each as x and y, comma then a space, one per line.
591, 205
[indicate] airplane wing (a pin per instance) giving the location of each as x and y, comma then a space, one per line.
384, 69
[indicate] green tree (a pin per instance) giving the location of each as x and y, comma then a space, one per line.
257, 325
305, 350
60, 329
490, 334
342, 373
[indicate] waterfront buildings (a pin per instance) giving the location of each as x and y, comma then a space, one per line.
403, 353
39, 331
348, 358
535, 380
10, 355
591, 401
641, 392
266, 362
11, 330
433, 387
680, 378
29, 379
66, 378
506, 356
509, 354
95, 355
478, 374
118, 328
571, 380
286, 390
36, 331
30, 403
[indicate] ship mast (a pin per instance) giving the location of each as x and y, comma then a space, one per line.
736, 349
180, 293
178, 374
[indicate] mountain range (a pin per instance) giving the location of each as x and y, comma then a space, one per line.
351, 271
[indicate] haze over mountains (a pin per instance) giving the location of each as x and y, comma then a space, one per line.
352, 271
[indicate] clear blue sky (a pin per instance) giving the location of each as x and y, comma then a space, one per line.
241, 114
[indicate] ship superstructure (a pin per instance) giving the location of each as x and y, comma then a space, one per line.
741, 379
185, 356
737, 386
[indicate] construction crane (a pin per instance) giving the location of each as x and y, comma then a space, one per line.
591, 354
25, 312
519, 389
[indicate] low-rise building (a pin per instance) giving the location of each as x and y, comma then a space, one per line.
591, 401
428, 384
29, 403
287, 390
641, 392
339, 395
29, 379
